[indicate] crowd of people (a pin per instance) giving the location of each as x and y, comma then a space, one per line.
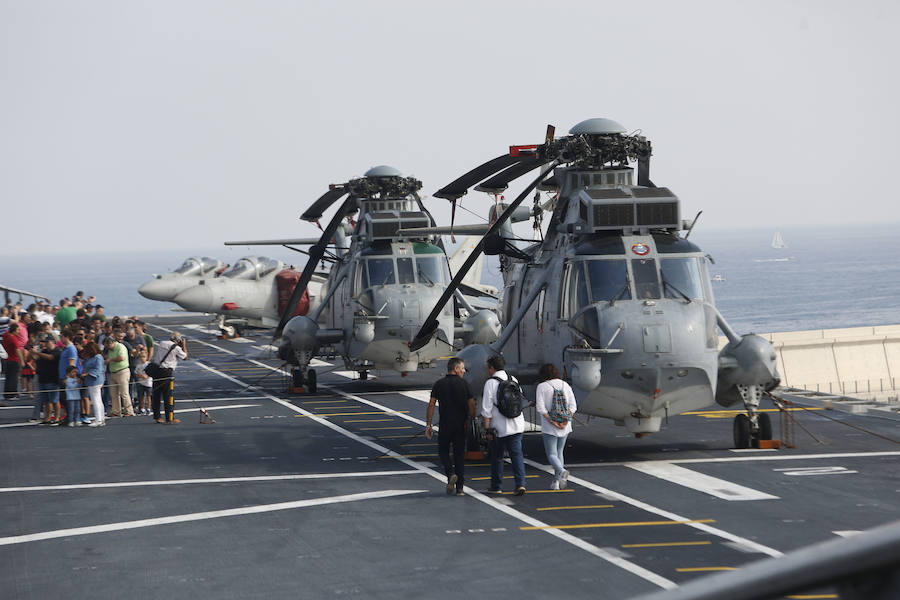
80, 367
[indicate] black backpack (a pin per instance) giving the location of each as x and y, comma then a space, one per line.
510, 398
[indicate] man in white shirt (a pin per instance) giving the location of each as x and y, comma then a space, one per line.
167, 354
503, 432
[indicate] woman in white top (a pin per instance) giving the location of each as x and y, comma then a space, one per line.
555, 426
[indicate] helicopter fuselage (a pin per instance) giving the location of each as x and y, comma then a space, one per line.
628, 318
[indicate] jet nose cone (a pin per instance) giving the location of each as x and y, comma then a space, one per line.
157, 289
196, 299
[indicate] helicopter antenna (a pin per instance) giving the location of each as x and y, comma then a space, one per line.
691, 228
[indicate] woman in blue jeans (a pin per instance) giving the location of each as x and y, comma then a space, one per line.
555, 402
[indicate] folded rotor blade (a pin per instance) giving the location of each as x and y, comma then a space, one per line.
431, 324
314, 212
500, 181
461, 185
474, 229
315, 255
294, 241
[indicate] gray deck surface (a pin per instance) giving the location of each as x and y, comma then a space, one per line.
141, 519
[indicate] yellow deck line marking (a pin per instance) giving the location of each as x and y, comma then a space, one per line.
329, 407
665, 544
578, 507
379, 428
427, 444
701, 569
505, 477
626, 524
735, 412
813, 597
367, 420
323, 401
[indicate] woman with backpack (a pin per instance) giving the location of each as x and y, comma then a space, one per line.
555, 402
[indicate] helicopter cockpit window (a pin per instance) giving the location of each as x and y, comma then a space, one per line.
381, 271
681, 277
190, 267
646, 280
405, 270
242, 269
266, 265
429, 270
608, 280
578, 288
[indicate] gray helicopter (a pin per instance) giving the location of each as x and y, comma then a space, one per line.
613, 293
380, 286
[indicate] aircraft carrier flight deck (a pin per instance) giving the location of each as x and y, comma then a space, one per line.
339, 494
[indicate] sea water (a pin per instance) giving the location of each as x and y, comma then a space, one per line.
827, 277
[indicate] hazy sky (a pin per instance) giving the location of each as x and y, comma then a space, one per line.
132, 125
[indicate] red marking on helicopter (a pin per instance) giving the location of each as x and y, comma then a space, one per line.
640, 249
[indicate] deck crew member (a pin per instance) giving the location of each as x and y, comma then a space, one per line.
456, 405
167, 354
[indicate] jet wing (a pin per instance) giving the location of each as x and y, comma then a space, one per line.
289, 241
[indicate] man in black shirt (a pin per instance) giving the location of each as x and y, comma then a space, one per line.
47, 366
457, 407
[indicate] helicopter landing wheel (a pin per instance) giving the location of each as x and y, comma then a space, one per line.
296, 378
765, 426
742, 431
311, 385
363, 375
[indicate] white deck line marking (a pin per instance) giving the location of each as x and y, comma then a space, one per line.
24, 406
685, 461
199, 516
508, 510
847, 533
17, 425
88, 486
706, 484
613, 495
223, 407
240, 340
196, 340
423, 395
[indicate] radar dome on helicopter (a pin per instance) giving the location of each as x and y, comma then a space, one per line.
598, 126
383, 171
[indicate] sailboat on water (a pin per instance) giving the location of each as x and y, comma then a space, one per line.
778, 243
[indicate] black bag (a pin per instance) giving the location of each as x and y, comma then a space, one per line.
153, 370
510, 398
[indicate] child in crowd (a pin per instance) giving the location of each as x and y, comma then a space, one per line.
73, 396
28, 369
144, 383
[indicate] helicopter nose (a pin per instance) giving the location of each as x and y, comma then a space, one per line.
157, 289
196, 299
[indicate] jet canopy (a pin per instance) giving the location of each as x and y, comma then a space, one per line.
197, 265
252, 267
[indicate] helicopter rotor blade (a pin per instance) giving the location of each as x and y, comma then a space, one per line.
499, 182
314, 212
431, 324
460, 186
315, 255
